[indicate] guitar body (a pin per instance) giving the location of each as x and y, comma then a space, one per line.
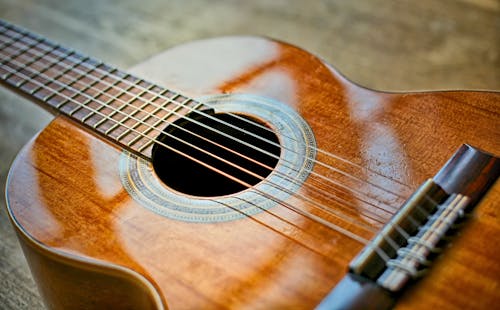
89, 242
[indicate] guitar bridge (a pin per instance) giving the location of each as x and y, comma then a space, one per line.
415, 255
405, 247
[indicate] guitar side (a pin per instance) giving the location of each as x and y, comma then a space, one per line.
72, 281
70, 208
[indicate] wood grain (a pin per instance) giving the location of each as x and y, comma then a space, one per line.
400, 45
263, 261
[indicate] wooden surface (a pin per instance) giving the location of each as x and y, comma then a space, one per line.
294, 261
381, 44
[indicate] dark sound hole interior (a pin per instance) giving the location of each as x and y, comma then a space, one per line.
187, 176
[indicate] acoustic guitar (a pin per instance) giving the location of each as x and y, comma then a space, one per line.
246, 173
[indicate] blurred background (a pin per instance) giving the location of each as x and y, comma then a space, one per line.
398, 45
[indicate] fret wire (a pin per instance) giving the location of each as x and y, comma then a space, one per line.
55, 91
67, 86
23, 74
61, 55
26, 39
145, 104
20, 37
36, 41
138, 122
161, 120
111, 119
187, 99
110, 100
85, 88
99, 93
51, 64
150, 114
328, 154
113, 71
93, 98
89, 100
118, 111
283, 203
72, 69
121, 108
161, 107
54, 78
341, 172
86, 107
321, 163
33, 36
14, 29
62, 88
11, 39
191, 109
17, 54
180, 105
39, 71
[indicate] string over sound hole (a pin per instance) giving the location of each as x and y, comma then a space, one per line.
210, 154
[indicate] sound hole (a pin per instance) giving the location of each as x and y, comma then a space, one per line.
209, 144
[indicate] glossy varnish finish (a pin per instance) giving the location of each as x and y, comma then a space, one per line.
64, 190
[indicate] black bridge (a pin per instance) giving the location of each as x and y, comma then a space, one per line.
405, 247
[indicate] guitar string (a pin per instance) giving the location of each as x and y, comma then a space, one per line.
309, 215
366, 212
76, 80
351, 205
283, 203
382, 254
86, 107
95, 67
138, 98
300, 196
338, 199
379, 251
313, 217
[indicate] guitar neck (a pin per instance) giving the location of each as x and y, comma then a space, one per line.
127, 110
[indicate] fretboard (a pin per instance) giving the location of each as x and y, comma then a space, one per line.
125, 109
